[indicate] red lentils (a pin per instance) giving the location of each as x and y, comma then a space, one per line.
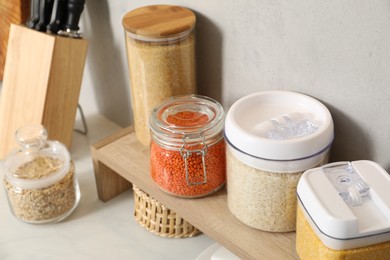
187, 150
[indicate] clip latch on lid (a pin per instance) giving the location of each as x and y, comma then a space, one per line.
186, 153
351, 187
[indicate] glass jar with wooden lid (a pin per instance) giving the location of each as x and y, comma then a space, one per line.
160, 45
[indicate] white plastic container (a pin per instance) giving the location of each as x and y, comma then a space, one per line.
273, 137
344, 212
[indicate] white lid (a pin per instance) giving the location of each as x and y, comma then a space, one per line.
347, 204
250, 119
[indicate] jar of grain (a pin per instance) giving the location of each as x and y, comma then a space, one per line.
160, 42
273, 137
343, 212
187, 150
39, 178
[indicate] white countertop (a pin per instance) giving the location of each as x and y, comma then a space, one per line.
95, 230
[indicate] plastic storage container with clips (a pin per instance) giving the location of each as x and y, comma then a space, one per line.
344, 212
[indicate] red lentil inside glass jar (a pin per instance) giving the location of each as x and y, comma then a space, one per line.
187, 151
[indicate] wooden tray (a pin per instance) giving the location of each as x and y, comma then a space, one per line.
120, 160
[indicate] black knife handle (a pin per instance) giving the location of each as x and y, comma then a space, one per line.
74, 10
60, 16
45, 10
34, 14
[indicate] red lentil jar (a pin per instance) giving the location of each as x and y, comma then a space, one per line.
187, 150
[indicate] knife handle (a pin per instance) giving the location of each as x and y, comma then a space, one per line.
45, 10
34, 14
58, 22
75, 8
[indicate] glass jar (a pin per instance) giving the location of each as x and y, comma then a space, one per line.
273, 137
160, 41
39, 178
187, 150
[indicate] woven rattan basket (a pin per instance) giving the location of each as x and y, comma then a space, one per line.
158, 219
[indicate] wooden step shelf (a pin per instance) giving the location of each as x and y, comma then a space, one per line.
120, 161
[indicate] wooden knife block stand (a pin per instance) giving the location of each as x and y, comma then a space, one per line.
41, 84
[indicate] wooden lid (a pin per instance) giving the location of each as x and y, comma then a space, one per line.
159, 21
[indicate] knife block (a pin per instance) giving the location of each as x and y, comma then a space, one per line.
41, 84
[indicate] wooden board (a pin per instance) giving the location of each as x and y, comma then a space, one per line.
125, 158
42, 80
16, 12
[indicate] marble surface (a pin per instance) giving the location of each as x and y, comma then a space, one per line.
95, 230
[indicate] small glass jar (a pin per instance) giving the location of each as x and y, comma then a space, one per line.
39, 178
273, 137
160, 41
187, 150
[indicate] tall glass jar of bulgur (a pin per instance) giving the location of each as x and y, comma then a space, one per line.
160, 43
187, 151
39, 178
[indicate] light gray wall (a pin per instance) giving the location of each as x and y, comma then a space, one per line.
336, 51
